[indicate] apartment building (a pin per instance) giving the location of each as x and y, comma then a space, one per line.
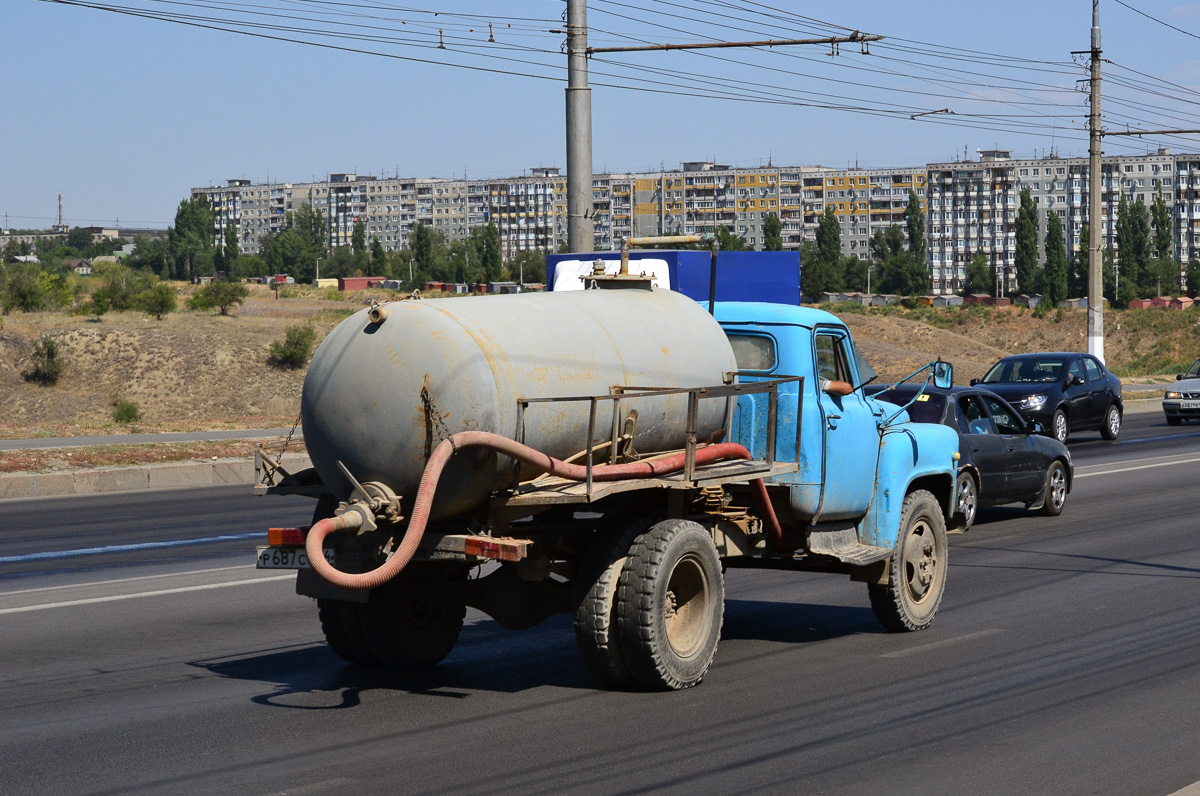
865, 201
973, 206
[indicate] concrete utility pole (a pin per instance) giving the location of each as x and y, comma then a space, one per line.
1095, 211
579, 132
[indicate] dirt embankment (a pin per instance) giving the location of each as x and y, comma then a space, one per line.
195, 371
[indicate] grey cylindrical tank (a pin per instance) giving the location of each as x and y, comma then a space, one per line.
379, 396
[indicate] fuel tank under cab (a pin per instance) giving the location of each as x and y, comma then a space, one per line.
379, 396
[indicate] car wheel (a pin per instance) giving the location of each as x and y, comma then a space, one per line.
968, 503
1059, 428
1174, 421
1056, 490
1112, 423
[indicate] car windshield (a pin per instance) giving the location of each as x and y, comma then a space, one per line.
1024, 371
1193, 371
928, 408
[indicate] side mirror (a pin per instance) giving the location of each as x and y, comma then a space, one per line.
1074, 381
974, 382
1178, 377
943, 375
1034, 427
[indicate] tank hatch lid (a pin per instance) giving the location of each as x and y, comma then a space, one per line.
598, 279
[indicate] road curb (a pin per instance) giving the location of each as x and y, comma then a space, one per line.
176, 475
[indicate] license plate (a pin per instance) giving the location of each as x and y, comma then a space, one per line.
1189, 404
286, 557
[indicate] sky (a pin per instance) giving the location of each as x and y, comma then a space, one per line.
124, 114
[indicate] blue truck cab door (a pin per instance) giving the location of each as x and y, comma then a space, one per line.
849, 428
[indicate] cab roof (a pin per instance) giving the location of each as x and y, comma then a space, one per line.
761, 312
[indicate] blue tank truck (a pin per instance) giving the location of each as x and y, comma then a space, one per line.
606, 452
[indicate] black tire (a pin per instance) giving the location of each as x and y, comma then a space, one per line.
1111, 428
1056, 489
917, 574
413, 621
341, 622
1174, 421
670, 605
968, 502
1060, 426
596, 636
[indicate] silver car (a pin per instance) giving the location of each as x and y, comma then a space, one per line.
1182, 401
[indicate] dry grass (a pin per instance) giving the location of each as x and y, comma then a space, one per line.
42, 461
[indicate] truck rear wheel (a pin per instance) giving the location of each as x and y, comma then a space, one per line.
670, 604
596, 634
413, 620
917, 574
342, 625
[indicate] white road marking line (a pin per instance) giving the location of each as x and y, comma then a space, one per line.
126, 580
1141, 467
1136, 461
942, 643
125, 548
1190, 790
160, 592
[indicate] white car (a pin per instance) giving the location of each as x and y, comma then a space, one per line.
1182, 401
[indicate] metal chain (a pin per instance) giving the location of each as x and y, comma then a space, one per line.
288, 441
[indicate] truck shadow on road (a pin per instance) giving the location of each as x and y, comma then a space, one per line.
488, 658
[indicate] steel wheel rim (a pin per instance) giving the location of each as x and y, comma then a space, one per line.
920, 561
1114, 421
966, 499
1060, 427
688, 598
1058, 488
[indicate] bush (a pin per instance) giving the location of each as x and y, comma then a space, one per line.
158, 300
295, 348
45, 363
125, 411
219, 294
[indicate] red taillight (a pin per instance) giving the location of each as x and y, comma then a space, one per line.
286, 537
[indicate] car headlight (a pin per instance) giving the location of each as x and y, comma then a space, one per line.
1033, 402
1172, 394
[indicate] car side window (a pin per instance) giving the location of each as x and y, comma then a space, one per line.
1076, 369
1005, 418
1093, 369
831, 358
974, 416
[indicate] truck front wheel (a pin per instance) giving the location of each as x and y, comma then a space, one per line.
413, 620
670, 605
917, 574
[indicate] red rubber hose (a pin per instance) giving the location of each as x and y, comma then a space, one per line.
536, 459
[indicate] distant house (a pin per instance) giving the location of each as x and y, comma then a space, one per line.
1181, 303
202, 280
1160, 301
986, 300
387, 284
105, 258
883, 300
950, 300
83, 269
461, 288
1140, 304
830, 297
1074, 303
923, 301
974, 299
1027, 300
347, 283
331, 282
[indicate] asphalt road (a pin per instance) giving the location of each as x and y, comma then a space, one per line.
1065, 659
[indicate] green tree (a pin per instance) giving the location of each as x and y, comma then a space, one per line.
980, 278
772, 233
829, 238
491, 261
358, 238
45, 362
79, 238
250, 265
219, 294
23, 289
120, 285
914, 220
816, 275
151, 253
1077, 279
420, 239
727, 241
1054, 277
340, 262
232, 251
1193, 279
1026, 259
1139, 227
1126, 260
528, 267
158, 300
378, 258
1160, 218
190, 240
295, 348
854, 274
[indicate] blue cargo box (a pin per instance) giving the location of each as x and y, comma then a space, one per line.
772, 277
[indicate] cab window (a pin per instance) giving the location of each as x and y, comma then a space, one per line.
753, 351
1004, 417
831, 358
973, 418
